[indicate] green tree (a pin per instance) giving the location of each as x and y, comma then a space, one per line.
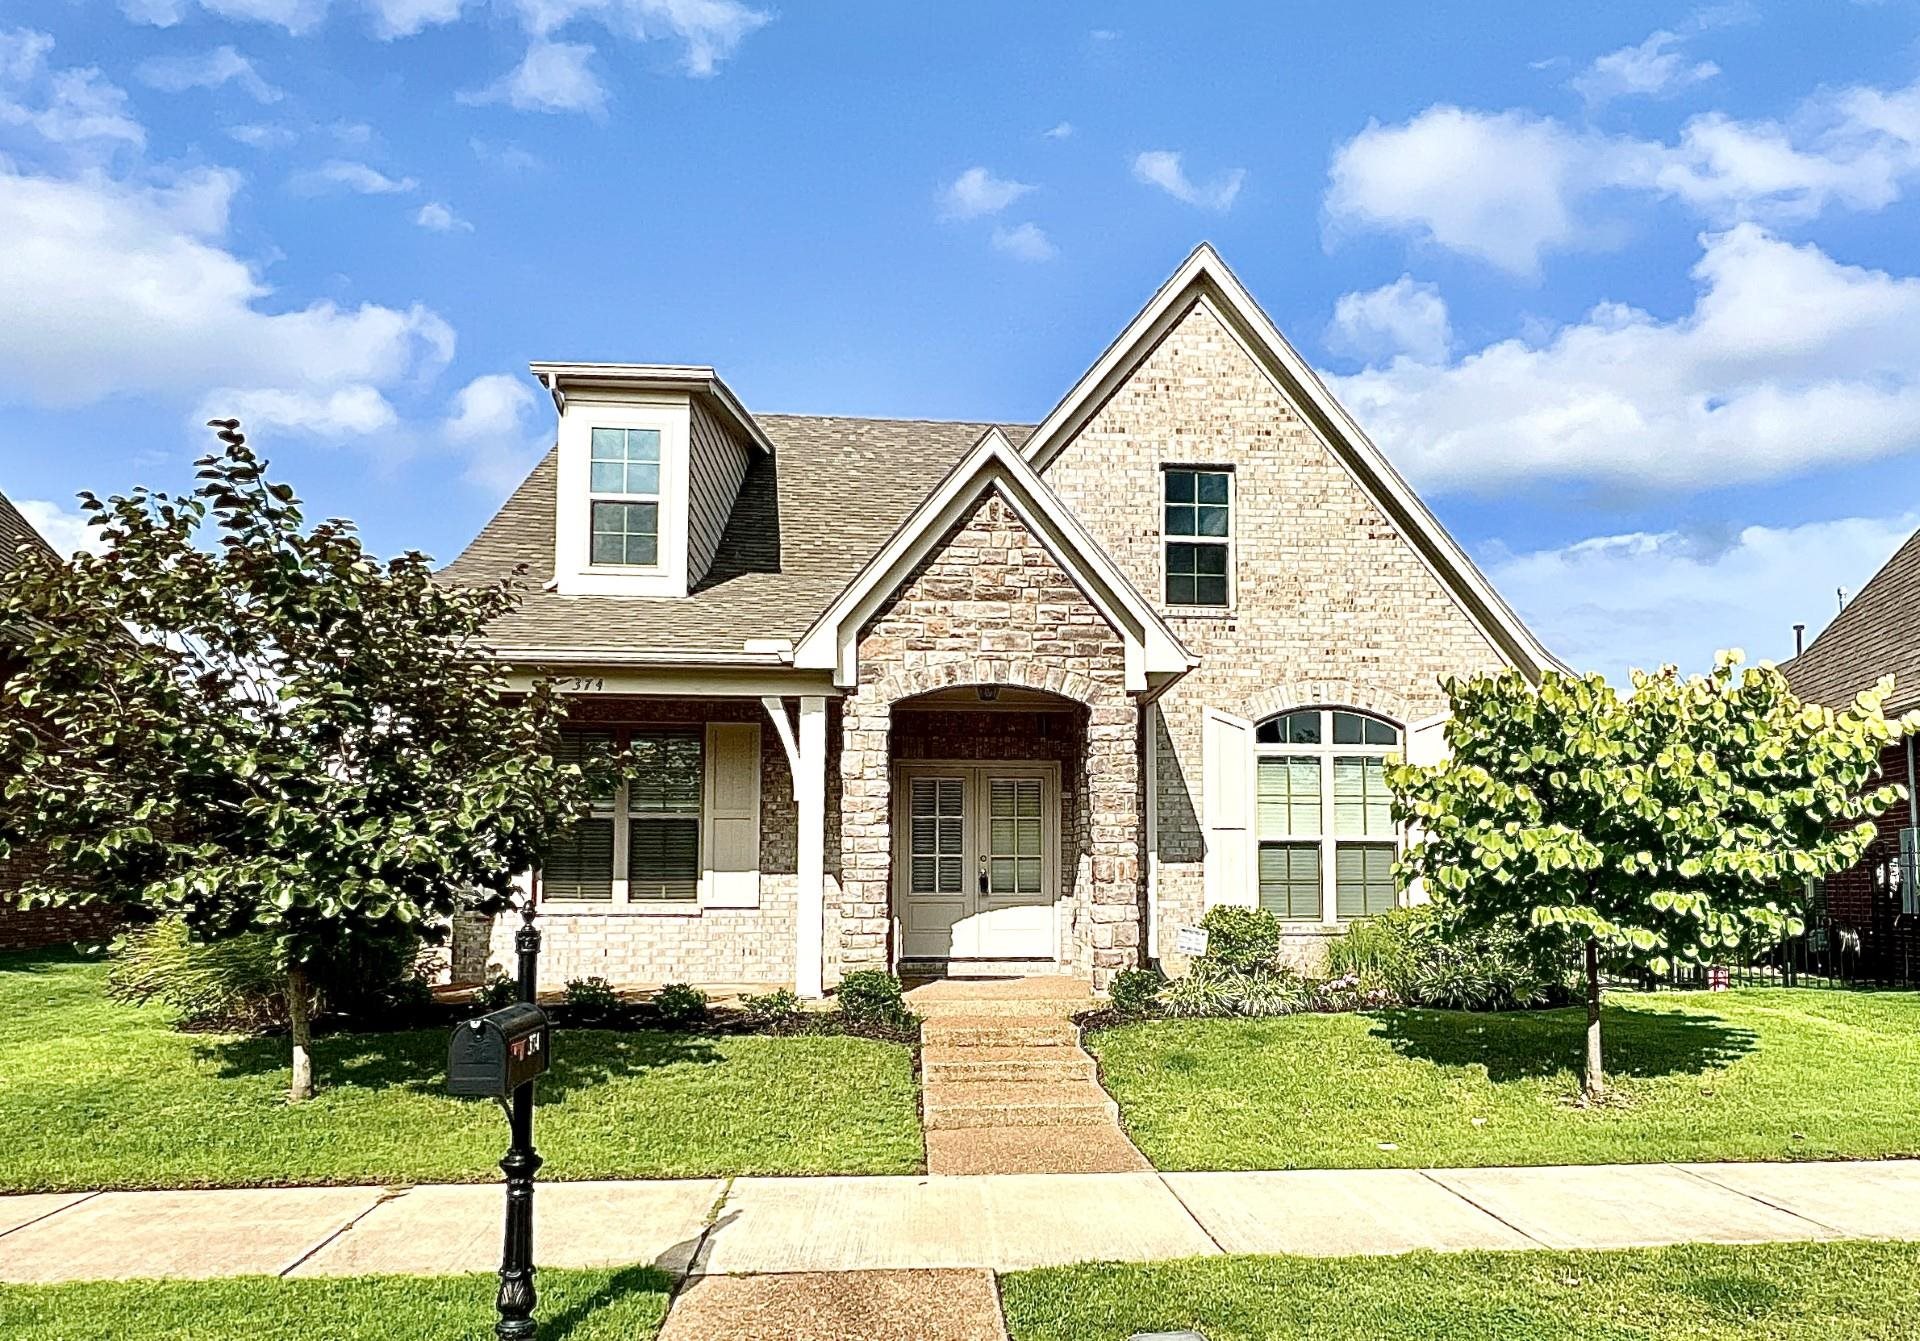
1672, 824
236, 717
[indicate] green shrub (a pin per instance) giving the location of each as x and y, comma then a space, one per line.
1241, 938
780, 1006
1200, 994
234, 984
872, 996
1135, 990
1387, 950
680, 1003
1415, 957
498, 991
1212, 990
592, 996
1274, 991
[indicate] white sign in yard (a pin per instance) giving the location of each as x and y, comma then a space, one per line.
1191, 942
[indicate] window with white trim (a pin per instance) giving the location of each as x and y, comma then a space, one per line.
1197, 536
641, 843
1324, 818
624, 498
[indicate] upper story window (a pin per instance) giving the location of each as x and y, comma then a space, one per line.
624, 484
1324, 815
1198, 536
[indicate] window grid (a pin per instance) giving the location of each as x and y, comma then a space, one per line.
641, 843
1324, 816
624, 497
1197, 530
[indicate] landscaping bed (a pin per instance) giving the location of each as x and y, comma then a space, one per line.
1779, 1292
98, 1094
1746, 1075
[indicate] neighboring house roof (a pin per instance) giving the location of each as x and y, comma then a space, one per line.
15, 531
1876, 634
807, 519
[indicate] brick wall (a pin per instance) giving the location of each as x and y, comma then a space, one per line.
36, 928
1333, 604
989, 605
1861, 899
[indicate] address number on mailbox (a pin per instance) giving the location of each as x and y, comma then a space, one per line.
491, 1057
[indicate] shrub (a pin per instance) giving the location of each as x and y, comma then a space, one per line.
1413, 956
592, 997
1199, 994
1274, 991
680, 1003
235, 983
1211, 990
872, 996
498, 991
1241, 938
1386, 951
1135, 990
780, 1006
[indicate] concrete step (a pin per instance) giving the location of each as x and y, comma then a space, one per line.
948, 1105
1057, 1008
964, 1150
990, 1062
991, 1031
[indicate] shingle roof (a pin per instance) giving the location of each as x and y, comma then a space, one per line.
15, 531
1878, 633
806, 519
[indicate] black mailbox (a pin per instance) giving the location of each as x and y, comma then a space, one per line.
491, 1057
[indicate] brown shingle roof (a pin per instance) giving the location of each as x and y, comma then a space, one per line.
15, 531
807, 519
1877, 634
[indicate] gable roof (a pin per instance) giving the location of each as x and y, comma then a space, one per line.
1876, 634
15, 531
807, 518
1204, 278
1153, 652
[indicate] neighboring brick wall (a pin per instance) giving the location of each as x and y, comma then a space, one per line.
37, 928
989, 605
1333, 604
1859, 899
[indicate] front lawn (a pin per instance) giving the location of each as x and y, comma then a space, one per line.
1776, 1292
94, 1094
624, 1305
1756, 1074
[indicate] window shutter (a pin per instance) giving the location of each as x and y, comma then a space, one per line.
1910, 872
1228, 795
732, 875
1427, 741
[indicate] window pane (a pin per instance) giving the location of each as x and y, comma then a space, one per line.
1209, 559
585, 748
1290, 880
1379, 733
642, 480
643, 444
1179, 520
663, 858
1349, 728
1363, 879
626, 533
580, 867
1211, 487
1179, 590
1196, 574
609, 444
609, 477
1303, 728
1213, 521
666, 773
1179, 486
1210, 591
1288, 798
1361, 803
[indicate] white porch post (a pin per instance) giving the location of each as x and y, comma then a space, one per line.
810, 796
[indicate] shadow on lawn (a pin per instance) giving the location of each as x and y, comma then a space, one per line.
632, 1280
1519, 1045
416, 1060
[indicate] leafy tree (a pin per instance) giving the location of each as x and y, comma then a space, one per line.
232, 716
1673, 824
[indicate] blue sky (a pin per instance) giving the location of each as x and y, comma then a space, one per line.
1630, 292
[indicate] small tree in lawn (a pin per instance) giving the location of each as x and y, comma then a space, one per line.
237, 718
1669, 825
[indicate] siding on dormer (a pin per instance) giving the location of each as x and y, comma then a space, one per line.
718, 464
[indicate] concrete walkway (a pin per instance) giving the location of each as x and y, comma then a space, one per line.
986, 1222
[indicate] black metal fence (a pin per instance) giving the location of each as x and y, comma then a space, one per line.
1884, 953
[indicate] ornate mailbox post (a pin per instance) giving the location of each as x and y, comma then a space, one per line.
499, 1056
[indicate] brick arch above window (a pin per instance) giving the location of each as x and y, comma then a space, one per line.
912, 681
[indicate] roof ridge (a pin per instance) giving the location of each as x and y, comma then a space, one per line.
895, 419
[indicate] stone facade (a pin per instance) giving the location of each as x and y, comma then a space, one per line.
989, 605
1332, 604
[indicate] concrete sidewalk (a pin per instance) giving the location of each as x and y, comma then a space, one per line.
994, 1222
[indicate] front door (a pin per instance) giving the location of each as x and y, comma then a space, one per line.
976, 870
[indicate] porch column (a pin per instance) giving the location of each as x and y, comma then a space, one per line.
1113, 790
810, 803
866, 831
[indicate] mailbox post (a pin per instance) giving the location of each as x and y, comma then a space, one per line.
499, 1056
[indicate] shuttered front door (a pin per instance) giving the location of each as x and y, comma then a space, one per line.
976, 870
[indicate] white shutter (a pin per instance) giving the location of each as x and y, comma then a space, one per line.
1427, 741
1227, 795
730, 868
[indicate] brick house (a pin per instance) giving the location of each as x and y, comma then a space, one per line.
1877, 634
975, 697
26, 929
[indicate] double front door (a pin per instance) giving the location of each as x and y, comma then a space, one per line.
976, 861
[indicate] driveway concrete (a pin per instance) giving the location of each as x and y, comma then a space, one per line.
843, 1306
1337, 1213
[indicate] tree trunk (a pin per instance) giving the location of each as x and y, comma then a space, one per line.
1596, 1081
302, 1027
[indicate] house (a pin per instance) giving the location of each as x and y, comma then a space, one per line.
1874, 908
982, 698
24, 929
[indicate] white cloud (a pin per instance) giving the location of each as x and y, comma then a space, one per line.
1060, 130
1788, 362
404, 18
75, 106
553, 77
488, 424
1511, 186
65, 529
977, 191
710, 31
1652, 69
1024, 242
1614, 602
438, 218
185, 313
207, 69
1161, 168
1405, 317
344, 412
261, 136
339, 174
296, 16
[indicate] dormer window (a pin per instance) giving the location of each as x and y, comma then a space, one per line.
624, 479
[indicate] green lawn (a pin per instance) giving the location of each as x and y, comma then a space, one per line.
94, 1094
1785, 1292
1755, 1074
624, 1305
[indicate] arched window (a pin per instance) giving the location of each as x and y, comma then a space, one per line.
1325, 821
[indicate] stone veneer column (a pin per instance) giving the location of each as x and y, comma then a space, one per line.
1112, 765
866, 831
